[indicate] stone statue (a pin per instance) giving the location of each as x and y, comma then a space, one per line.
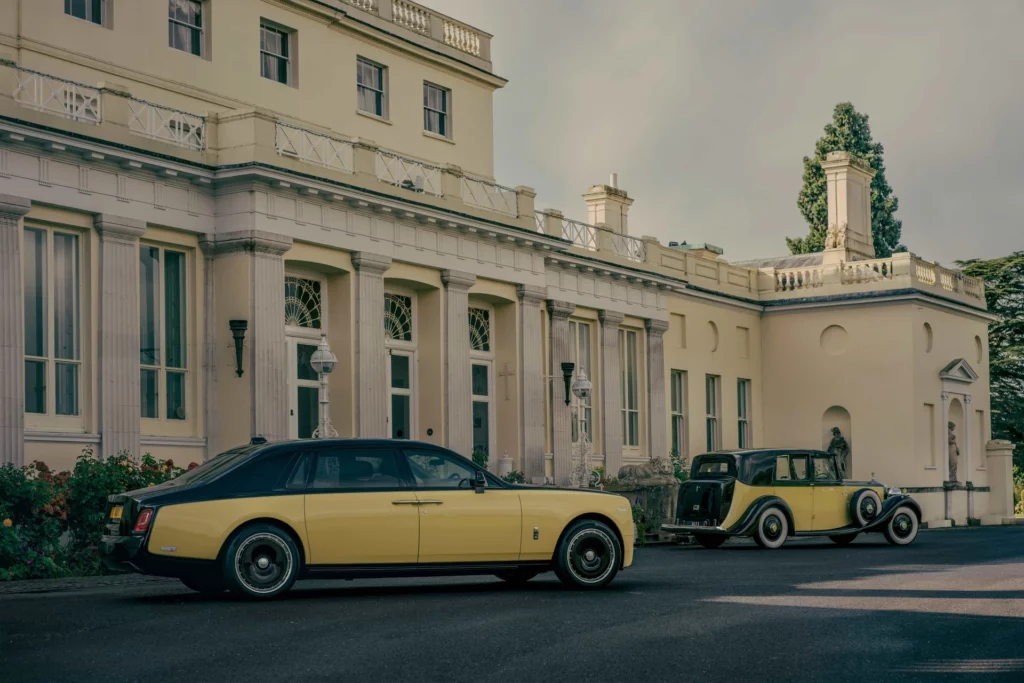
840, 448
954, 453
835, 238
653, 472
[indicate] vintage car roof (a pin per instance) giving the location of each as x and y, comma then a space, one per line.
748, 452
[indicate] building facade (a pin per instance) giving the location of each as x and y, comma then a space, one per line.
176, 178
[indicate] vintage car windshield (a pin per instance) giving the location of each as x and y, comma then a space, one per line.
214, 466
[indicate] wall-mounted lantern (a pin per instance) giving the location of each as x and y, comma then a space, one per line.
567, 369
238, 328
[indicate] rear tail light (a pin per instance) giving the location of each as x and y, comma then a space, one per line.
143, 520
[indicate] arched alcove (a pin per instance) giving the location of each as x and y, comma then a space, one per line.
713, 335
834, 340
838, 416
928, 338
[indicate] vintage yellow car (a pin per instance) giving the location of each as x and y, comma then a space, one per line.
255, 519
773, 494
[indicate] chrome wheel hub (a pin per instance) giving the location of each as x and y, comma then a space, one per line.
263, 562
589, 555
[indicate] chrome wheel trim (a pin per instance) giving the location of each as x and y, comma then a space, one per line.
590, 556
263, 563
773, 528
903, 526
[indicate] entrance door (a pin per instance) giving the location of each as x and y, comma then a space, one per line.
401, 371
304, 389
831, 498
483, 424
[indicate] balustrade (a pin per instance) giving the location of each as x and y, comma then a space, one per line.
365, 5
628, 247
856, 272
411, 16
461, 38
167, 125
42, 92
794, 279
408, 173
314, 148
488, 195
580, 234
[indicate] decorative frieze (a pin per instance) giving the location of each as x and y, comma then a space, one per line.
561, 419
657, 415
371, 372
457, 377
611, 391
531, 381
12, 331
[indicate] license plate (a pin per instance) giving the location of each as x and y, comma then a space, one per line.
115, 512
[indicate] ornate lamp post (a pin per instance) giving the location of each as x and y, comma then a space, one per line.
323, 362
580, 475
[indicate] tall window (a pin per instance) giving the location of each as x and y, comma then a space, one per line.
162, 347
185, 26
53, 360
579, 354
711, 391
275, 54
743, 412
630, 390
401, 366
678, 412
370, 82
482, 379
90, 10
435, 109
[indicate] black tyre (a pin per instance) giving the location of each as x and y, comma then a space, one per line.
588, 555
518, 577
772, 528
711, 541
903, 526
261, 561
207, 585
843, 539
864, 507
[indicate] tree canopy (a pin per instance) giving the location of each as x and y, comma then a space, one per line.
848, 132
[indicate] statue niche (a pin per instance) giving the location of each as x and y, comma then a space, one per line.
954, 453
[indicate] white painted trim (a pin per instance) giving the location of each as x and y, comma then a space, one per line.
61, 437
183, 441
921, 298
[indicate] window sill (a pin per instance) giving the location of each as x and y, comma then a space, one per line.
63, 437
186, 52
285, 85
931, 468
183, 441
374, 117
440, 138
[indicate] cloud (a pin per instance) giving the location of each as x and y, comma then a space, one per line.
705, 109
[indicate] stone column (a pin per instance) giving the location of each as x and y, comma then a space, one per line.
268, 347
12, 331
945, 438
999, 456
209, 348
657, 416
531, 381
561, 419
967, 458
611, 392
457, 368
371, 372
120, 409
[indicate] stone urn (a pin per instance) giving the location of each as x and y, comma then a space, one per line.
504, 465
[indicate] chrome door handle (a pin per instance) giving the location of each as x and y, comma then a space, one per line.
431, 502
405, 502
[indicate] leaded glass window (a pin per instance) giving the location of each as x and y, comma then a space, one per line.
302, 302
480, 329
398, 317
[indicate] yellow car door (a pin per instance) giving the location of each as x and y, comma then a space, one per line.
360, 509
831, 503
793, 485
459, 524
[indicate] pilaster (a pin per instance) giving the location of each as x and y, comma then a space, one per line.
457, 372
12, 331
611, 391
371, 373
561, 419
657, 416
209, 348
999, 463
120, 409
531, 387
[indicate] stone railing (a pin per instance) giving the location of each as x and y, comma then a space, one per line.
410, 174
629, 248
952, 281
411, 16
42, 92
580, 234
855, 272
314, 148
167, 125
488, 195
426, 22
365, 5
461, 37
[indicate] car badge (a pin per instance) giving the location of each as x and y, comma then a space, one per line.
696, 507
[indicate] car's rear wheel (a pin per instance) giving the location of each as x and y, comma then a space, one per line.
843, 539
772, 528
207, 585
710, 541
588, 555
864, 507
903, 526
518, 577
261, 561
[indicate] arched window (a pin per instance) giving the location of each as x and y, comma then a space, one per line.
302, 304
398, 317
480, 329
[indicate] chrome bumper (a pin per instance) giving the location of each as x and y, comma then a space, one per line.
692, 528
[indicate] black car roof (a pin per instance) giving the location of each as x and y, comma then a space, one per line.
747, 452
356, 442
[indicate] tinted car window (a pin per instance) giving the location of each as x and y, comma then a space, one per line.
825, 468
262, 474
759, 471
358, 469
782, 472
215, 465
433, 469
799, 468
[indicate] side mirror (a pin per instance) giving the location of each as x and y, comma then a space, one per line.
479, 482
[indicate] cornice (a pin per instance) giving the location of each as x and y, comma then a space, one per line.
877, 298
560, 310
610, 318
531, 295
119, 228
368, 262
656, 327
12, 207
457, 279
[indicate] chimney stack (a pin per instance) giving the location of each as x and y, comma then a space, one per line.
609, 205
848, 180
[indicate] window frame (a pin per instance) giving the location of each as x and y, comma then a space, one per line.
678, 386
289, 54
160, 317
104, 9
403, 348
406, 481
444, 116
487, 360
713, 410
202, 28
744, 432
382, 93
50, 420
626, 364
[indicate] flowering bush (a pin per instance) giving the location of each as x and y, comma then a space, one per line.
52, 522
514, 477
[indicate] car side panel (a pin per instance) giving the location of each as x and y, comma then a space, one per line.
198, 530
549, 511
831, 506
362, 527
461, 525
800, 499
742, 498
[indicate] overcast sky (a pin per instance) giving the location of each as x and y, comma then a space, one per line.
705, 109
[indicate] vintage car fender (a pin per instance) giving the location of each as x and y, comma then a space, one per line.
889, 506
754, 510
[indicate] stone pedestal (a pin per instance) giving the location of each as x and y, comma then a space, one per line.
531, 381
371, 372
999, 462
457, 368
12, 331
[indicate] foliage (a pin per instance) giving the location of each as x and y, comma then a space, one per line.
1018, 490
480, 457
641, 526
848, 132
1004, 294
514, 477
680, 468
52, 522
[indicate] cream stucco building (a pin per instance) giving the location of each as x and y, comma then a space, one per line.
172, 169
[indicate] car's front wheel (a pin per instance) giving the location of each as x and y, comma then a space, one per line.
588, 556
772, 528
902, 527
710, 541
261, 561
207, 585
843, 539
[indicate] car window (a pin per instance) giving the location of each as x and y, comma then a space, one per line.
433, 469
263, 473
358, 469
825, 468
215, 465
300, 471
798, 467
782, 468
714, 465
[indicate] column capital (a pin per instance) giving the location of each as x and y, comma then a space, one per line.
457, 279
14, 207
531, 294
253, 241
656, 327
560, 309
119, 228
967, 399
367, 262
610, 318
945, 396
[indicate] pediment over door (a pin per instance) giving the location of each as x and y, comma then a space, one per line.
959, 371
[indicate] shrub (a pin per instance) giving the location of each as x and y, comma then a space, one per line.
1018, 490
515, 477
680, 468
30, 527
480, 457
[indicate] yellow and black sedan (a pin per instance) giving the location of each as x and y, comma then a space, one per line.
774, 494
255, 519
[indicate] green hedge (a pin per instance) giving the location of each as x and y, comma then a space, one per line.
51, 522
